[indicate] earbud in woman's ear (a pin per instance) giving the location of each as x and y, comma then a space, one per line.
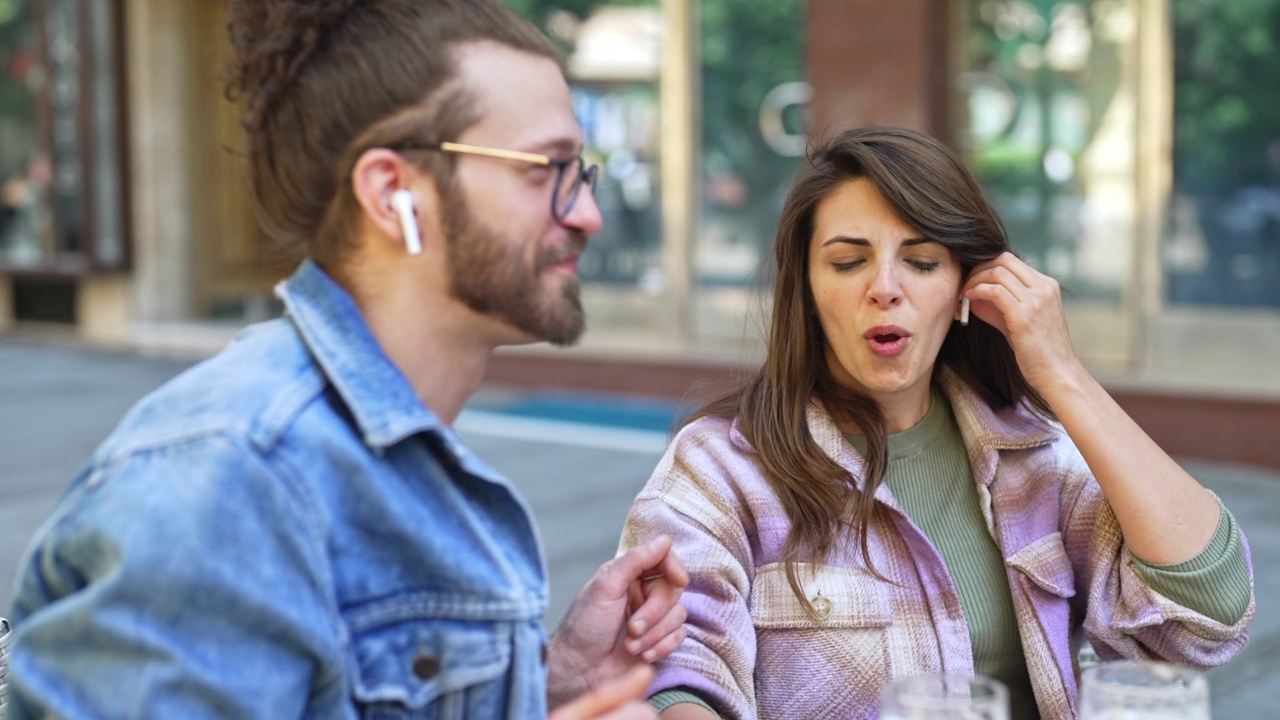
402, 202
964, 311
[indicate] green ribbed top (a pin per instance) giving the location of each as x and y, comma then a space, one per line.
1214, 583
929, 475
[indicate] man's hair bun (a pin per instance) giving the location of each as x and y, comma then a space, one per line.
273, 40
320, 81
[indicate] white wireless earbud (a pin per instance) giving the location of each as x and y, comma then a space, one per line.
964, 311
402, 201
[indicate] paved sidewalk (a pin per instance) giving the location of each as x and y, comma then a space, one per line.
57, 403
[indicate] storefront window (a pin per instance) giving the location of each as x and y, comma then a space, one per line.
1051, 120
613, 54
753, 131
1223, 241
25, 170
61, 209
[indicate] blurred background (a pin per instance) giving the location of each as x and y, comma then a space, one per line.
1132, 147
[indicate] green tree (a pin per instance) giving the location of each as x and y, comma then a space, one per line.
1226, 104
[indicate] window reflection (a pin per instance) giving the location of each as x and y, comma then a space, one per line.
1223, 246
25, 172
61, 202
1050, 121
753, 131
614, 57
63, 30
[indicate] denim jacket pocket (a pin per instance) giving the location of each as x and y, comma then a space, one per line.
1045, 563
841, 597
430, 668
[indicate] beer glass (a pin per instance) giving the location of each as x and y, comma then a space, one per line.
1142, 690
944, 697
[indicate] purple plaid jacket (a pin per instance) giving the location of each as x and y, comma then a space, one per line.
754, 652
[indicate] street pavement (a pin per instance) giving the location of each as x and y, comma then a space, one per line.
57, 402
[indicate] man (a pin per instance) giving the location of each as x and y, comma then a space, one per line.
292, 528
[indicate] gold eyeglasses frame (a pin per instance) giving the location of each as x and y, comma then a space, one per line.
586, 174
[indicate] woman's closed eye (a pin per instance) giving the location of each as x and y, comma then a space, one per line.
925, 265
843, 265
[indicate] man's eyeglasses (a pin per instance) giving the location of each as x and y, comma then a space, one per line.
571, 173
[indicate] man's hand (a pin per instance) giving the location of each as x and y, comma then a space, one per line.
626, 615
620, 699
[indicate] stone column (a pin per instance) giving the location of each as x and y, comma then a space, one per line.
879, 63
160, 64
6, 303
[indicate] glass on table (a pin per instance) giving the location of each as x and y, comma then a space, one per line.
940, 696
1142, 690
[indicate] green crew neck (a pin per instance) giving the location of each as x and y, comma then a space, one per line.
917, 438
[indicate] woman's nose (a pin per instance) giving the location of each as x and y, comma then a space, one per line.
886, 288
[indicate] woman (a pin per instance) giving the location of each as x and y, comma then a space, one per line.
896, 491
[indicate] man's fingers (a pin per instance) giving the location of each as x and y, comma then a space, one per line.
664, 646
661, 597
667, 624
662, 589
608, 697
662, 640
635, 596
615, 576
672, 570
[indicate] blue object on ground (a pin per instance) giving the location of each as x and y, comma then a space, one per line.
612, 411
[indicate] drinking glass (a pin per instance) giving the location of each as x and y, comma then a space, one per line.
4, 661
1142, 690
940, 696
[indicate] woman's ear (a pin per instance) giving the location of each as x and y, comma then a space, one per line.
399, 202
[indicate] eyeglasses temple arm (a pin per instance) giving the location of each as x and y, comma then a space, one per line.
493, 152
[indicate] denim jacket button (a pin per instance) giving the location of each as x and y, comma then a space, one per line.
425, 667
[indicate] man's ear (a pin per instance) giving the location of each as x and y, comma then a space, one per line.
378, 181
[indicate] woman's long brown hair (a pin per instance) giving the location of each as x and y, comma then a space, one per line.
929, 188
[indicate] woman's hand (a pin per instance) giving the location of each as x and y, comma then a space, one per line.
1026, 306
1165, 515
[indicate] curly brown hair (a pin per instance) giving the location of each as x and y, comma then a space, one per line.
322, 81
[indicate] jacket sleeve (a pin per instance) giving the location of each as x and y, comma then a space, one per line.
187, 581
1124, 616
690, 499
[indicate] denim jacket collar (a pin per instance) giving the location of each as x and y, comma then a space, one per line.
379, 396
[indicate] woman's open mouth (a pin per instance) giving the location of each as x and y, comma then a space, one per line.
886, 340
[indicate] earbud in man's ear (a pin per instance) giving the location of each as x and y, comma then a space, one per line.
402, 201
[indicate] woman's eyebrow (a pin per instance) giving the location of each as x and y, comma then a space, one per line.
863, 242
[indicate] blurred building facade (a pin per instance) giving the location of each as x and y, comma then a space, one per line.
1132, 146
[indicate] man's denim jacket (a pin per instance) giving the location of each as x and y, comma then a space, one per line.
284, 531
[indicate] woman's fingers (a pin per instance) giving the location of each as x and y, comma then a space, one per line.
1026, 307
1022, 295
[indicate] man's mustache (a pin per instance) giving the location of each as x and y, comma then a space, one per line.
554, 256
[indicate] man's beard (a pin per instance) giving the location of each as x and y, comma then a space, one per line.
493, 278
